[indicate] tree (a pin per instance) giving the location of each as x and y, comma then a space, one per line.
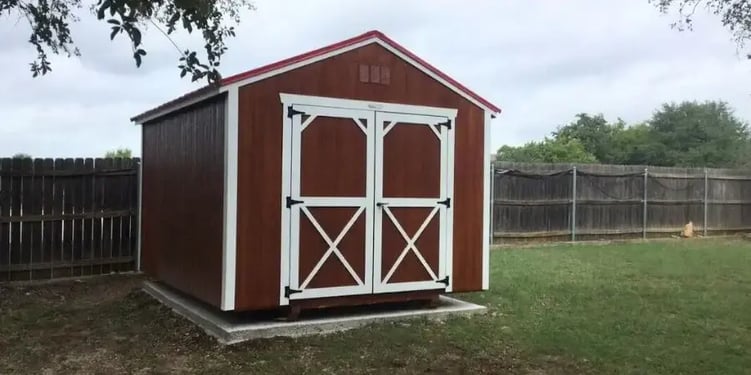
550, 150
635, 145
735, 15
21, 155
699, 134
124, 153
50, 27
595, 133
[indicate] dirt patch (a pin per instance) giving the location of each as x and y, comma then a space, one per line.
108, 325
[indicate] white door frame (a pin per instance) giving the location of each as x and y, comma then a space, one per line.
335, 105
298, 284
443, 211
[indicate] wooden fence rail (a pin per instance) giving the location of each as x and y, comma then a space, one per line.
580, 202
67, 217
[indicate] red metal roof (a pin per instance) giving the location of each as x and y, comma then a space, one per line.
318, 52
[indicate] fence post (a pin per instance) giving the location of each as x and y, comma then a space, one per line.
573, 204
644, 214
706, 200
492, 202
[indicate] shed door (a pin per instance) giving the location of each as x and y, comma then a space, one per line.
412, 202
331, 202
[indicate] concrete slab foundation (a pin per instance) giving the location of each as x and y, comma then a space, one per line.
231, 328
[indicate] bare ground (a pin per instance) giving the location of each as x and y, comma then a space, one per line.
108, 325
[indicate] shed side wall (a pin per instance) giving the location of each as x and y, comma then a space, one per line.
182, 193
260, 156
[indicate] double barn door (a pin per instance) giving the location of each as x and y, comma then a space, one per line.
369, 198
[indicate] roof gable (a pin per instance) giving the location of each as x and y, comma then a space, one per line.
311, 57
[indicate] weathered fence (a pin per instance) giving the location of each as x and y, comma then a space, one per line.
580, 202
67, 217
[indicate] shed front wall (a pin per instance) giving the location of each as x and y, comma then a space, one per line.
260, 158
182, 198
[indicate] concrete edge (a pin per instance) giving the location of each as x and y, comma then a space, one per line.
228, 333
198, 315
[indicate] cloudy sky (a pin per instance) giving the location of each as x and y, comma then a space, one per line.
542, 61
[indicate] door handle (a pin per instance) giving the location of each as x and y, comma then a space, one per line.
381, 204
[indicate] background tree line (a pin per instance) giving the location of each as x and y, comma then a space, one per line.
689, 134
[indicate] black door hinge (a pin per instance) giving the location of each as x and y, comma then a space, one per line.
446, 202
289, 291
293, 112
447, 124
291, 202
444, 281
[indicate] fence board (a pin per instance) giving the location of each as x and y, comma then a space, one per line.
25, 198
48, 196
536, 200
53, 212
5, 198
96, 206
87, 221
56, 241
105, 196
68, 253
116, 198
35, 201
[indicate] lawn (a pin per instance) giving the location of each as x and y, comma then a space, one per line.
658, 307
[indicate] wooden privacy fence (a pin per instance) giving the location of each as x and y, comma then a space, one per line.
67, 217
564, 201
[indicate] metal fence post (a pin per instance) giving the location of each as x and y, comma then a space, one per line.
644, 213
492, 202
706, 200
573, 204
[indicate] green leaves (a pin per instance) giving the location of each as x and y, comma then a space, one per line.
50, 22
137, 56
550, 150
735, 15
688, 134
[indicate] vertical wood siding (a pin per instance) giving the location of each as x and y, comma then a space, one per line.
182, 199
260, 157
67, 217
535, 201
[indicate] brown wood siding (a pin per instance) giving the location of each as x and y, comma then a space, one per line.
411, 162
313, 247
410, 268
182, 199
333, 154
260, 155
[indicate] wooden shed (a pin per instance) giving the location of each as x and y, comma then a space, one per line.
352, 174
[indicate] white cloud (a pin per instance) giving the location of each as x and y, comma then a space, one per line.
542, 61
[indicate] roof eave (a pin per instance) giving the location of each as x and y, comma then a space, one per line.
193, 97
306, 58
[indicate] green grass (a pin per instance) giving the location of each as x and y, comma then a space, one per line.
660, 307
643, 308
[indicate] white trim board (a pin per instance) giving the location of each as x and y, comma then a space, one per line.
487, 209
348, 48
232, 86
367, 105
449, 263
285, 213
364, 205
229, 238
